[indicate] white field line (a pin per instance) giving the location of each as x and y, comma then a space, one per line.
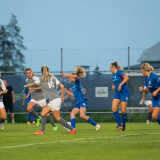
72, 140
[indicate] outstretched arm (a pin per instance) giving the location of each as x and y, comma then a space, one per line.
70, 93
69, 75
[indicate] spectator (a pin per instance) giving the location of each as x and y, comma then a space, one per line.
9, 100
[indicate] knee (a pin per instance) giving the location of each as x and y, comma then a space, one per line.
29, 109
114, 110
4, 117
57, 118
123, 111
43, 114
154, 116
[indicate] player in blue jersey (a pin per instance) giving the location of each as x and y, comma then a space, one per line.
81, 101
121, 95
152, 84
27, 100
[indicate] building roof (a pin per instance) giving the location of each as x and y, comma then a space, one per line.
151, 54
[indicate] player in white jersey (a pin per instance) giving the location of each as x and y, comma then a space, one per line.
37, 98
49, 85
3, 115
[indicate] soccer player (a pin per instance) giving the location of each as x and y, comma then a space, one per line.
49, 84
152, 84
25, 99
147, 100
81, 101
3, 115
37, 98
121, 95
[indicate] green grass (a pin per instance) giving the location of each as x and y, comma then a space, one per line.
139, 142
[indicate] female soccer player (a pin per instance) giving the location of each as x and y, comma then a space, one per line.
3, 115
25, 99
49, 84
121, 94
81, 101
37, 98
152, 83
147, 100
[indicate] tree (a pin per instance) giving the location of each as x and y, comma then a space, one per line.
11, 46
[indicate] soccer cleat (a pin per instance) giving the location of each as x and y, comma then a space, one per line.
73, 131
55, 128
147, 121
38, 121
33, 122
39, 133
118, 128
13, 121
124, 128
98, 127
2, 126
28, 123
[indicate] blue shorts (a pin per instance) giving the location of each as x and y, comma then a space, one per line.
82, 104
156, 101
122, 95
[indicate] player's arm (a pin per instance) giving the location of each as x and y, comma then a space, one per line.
62, 91
29, 85
4, 90
24, 98
113, 87
69, 75
156, 92
125, 79
143, 97
70, 93
141, 89
13, 96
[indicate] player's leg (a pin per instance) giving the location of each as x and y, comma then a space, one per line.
155, 114
124, 113
73, 114
87, 118
3, 115
45, 110
115, 104
50, 118
150, 109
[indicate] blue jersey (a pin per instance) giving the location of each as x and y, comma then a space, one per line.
78, 92
153, 83
26, 92
117, 78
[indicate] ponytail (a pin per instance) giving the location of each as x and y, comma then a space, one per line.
147, 67
45, 74
80, 72
116, 65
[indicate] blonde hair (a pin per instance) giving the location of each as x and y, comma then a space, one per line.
29, 69
80, 72
147, 67
116, 65
45, 74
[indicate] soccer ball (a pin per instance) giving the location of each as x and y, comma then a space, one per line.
67, 128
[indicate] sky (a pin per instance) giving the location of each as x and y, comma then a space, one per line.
91, 32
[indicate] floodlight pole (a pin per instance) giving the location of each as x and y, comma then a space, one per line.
128, 58
61, 60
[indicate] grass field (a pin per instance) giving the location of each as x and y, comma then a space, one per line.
139, 142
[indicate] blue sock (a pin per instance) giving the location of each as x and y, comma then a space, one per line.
124, 118
29, 116
32, 118
117, 118
92, 122
158, 119
73, 122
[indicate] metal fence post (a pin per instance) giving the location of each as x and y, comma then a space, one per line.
128, 58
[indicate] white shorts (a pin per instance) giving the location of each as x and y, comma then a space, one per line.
1, 105
148, 102
41, 102
55, 104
